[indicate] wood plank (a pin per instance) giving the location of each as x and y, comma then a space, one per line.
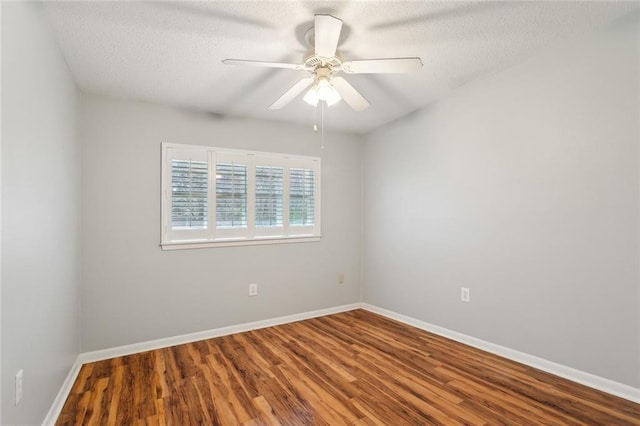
352, 368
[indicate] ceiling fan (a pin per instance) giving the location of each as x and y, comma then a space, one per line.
323, 61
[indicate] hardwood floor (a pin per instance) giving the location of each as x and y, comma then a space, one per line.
353, 368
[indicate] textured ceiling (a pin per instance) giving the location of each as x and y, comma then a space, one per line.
171, 52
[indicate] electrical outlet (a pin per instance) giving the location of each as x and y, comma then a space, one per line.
18, 392
253, 289
341, 279
465, 294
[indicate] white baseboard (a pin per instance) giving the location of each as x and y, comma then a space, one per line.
600, 383
209, 334
58, 403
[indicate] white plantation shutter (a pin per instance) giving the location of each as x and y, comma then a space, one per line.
232, 180
231, 195
269, 196
188, 194
301, 197
214, 196
304, 197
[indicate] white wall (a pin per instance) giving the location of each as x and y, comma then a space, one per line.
524, 187
0, 219
40, 215
134, 292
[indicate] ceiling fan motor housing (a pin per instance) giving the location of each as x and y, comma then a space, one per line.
313, 61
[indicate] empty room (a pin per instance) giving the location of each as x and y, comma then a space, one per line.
320, 213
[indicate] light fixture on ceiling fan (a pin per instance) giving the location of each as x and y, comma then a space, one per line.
324, 61
322, 90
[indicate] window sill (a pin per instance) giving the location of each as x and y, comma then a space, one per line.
239, 242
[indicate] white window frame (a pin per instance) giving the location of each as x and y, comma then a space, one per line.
251, 235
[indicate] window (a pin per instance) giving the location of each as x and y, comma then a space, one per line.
215, 197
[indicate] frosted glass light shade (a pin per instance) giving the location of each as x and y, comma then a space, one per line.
311, 97
322, 91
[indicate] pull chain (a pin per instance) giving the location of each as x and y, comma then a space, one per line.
315, 122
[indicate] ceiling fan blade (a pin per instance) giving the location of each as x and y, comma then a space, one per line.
291, 94
327, 33
350, 95
380, 66
263, 64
